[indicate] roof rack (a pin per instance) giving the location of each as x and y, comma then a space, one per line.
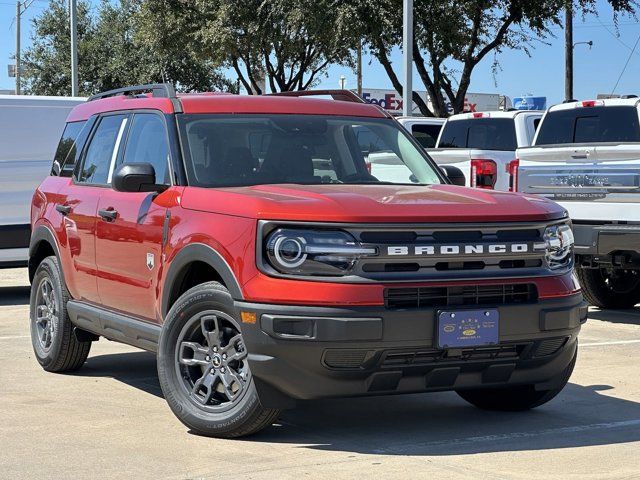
339, 95
162, 90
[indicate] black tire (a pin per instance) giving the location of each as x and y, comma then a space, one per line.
517, 398
209, 410
59, 350
606, 288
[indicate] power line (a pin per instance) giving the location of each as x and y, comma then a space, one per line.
625, 65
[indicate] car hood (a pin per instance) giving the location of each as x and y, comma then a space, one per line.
371, 203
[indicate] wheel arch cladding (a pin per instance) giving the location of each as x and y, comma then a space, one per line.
42, 245
182, 264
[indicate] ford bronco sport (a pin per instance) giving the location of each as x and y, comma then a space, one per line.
244, 240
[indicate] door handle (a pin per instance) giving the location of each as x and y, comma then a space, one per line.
63, 209
108, 215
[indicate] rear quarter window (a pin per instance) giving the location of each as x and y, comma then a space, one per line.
426, 135
480, 133
590, 125
65, 153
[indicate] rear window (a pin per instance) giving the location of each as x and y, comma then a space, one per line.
480, 133
426, 135
590, 125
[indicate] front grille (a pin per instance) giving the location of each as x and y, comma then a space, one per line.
424, 297
450, 251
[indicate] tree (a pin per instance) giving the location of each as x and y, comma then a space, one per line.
452, 37
110, 53
286, 43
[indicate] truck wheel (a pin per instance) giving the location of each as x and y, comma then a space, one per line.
607, 288
517, 398
54, 343
203, 368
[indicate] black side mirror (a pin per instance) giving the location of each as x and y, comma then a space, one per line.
454, 174
136, 177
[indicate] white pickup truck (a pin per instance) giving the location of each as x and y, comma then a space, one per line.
483, 144
586, 156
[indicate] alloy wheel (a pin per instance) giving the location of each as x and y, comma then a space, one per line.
46, 314
211, 360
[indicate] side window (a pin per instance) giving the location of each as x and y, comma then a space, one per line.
147, 142
103, 150
65, 148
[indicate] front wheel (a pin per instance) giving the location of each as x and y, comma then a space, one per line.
203, 367
517, 398
610, 288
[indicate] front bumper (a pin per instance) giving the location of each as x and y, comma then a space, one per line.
317, 352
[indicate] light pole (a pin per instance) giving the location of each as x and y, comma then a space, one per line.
18, 13
407, 47
74, 47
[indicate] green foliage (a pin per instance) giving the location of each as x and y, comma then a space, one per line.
111, 53
287, 44
452, 37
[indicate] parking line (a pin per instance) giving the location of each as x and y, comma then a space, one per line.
616, 342
516, 435
14, 337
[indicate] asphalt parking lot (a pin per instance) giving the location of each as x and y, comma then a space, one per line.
109, 420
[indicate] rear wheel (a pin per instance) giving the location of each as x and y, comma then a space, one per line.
517, 398
610, 288
55, 345
203, 367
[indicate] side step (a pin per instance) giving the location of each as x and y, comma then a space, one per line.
114, 326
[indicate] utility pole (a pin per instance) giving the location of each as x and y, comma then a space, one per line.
359, 68
568, 47
407, 47
74, 47
18, 12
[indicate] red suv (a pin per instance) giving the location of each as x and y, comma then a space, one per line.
244, 240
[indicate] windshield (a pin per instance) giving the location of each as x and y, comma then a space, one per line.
480, 133
590, 125
239, 150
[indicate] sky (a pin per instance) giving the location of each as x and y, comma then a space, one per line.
596, 69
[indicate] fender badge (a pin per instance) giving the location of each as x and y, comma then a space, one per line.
150, 260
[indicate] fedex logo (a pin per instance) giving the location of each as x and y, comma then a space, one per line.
389, 102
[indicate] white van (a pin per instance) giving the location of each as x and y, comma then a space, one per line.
30, 128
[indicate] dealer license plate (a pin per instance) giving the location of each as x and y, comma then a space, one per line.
468, 328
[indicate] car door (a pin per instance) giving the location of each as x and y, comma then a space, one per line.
130, 225
78, 203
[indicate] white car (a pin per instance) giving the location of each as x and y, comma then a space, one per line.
483, 144
30, 130
586, 157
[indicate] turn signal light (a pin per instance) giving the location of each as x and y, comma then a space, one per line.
484, 173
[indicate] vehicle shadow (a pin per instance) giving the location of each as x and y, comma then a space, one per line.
421, 424
630, 316
14, 295
137, 369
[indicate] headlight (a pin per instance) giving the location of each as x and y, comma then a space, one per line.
313, 252
558, 245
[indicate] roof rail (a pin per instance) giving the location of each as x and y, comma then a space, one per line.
163, 90
632, 95
339, 95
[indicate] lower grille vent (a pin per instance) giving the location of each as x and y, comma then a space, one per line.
549, 347
423, 297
